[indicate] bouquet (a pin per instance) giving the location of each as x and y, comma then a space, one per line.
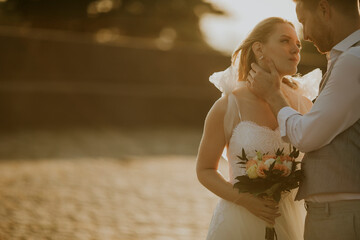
268, 176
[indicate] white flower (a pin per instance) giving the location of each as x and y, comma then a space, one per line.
269, 162
288, 164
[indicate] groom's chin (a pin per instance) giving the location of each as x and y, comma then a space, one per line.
322, 50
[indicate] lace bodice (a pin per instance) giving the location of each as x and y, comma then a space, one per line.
247, 134
252, 137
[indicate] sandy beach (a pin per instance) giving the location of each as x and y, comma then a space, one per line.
102, 184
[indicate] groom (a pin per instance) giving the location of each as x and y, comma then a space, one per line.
330, 133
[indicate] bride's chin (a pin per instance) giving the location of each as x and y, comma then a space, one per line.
293, 72
286, 70
290, 72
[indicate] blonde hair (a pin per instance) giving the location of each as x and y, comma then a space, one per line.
260, 33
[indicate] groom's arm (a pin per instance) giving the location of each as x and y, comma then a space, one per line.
335, 110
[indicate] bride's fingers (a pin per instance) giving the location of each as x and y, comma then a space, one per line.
274, 214
271, 203
264, 216
271, 211
272, 207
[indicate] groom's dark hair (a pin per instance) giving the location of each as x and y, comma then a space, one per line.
347, 7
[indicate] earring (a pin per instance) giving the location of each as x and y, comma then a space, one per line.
261, 57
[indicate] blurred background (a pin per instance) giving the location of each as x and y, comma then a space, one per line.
102, 104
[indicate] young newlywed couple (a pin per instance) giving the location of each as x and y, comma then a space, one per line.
261, 110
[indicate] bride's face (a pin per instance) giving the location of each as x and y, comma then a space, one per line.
283, 48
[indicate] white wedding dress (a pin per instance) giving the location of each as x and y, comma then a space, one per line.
231, 221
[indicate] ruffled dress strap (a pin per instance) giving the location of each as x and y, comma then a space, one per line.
309, 83
308, 86
227, 81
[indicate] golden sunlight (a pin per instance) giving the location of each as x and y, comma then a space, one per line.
224, 33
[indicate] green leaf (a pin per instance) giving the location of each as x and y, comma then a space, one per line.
243, 157
259, 155
241, 162
294, 153
280, 152
272, 166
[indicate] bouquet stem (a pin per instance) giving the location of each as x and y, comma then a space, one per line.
270, 233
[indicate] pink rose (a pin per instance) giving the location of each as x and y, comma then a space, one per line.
286, 158
260, 170
284, 169
266, 157
250, 163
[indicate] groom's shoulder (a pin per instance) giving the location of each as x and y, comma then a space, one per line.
351, 53
349, 60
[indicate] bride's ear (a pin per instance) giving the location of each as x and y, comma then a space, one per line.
257, 49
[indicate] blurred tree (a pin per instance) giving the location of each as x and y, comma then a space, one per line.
167, 20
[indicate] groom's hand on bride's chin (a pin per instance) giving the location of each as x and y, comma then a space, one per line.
266, 73
261, 82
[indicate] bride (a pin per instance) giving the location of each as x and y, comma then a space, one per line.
241, 120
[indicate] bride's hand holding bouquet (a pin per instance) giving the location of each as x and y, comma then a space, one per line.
268, 176
265, 209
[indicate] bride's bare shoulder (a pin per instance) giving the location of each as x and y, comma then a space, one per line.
218, 109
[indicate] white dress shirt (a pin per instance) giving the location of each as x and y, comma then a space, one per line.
336, 108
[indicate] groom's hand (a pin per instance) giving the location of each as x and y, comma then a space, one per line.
264, 83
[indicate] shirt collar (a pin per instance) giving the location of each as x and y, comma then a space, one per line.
348, 41
344, 45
